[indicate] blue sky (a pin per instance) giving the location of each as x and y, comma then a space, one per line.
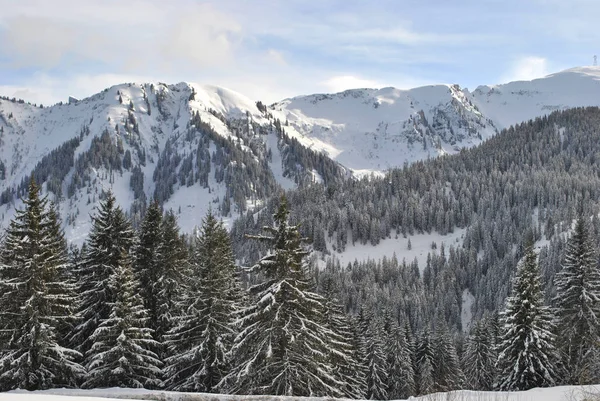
271, 49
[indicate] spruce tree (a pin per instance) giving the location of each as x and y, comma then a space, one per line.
424, 360
479, 359
199, 342
376, 363
282, 346
121, 353
109, 242
401, 376
447, 372
35, 301
344, 355
173, 259
147, 264
527, 355
578, 308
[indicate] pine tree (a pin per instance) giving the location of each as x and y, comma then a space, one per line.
426, 380
401, 376
35, 301
282, 346
527, 356
578, 308
424, 359
447, 372
479, 359
121, 353
377, 369
147, 266
173, 259
204, 332
110, 240
344, 356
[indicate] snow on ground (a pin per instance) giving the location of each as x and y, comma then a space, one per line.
466, 312
276, 163
563, 393
419, 249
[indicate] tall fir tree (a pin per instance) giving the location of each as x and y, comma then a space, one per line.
35, 301
174, 261
447, 372
147, 262
401, 376
527, 357
282, 345
578, 308
203, 335
121, 352
109, 242
344, 354
424, 360
479, 359
376, 363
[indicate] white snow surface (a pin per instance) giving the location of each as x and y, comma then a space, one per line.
366, 130
562, 393
421, 246
371, 130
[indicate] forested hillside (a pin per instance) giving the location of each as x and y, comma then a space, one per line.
526, 181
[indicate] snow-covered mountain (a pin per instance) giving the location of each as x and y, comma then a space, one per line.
193, 147
370, 130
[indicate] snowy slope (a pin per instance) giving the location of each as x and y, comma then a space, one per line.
370, 130
161, 112
563, 393
365, 130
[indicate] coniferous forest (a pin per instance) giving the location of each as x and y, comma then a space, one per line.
151, 307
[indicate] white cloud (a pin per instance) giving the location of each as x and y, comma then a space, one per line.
277, 57
342, 82
527, 68
153, 36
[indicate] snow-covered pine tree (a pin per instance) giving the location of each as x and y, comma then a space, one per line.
447, 372
121, 353
35, 301
479, 359
147, 266
401, 376
578, 308
345, 347
282, 346
203, 335
110, 239
377, 369
173, 254
424, 355
66, 276
527, 354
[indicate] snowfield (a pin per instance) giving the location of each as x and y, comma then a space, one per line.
563, 393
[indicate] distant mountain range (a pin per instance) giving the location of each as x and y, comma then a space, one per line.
193, 147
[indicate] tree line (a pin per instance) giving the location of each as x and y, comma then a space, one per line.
155, 309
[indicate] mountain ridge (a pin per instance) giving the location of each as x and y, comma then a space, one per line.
198, 146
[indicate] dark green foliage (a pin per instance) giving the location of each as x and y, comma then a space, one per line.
120, 355
35, 301
203, 332
110, 240
528, 357
578, 307
282, 344
479, 359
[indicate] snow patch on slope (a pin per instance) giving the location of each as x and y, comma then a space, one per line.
420, 247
